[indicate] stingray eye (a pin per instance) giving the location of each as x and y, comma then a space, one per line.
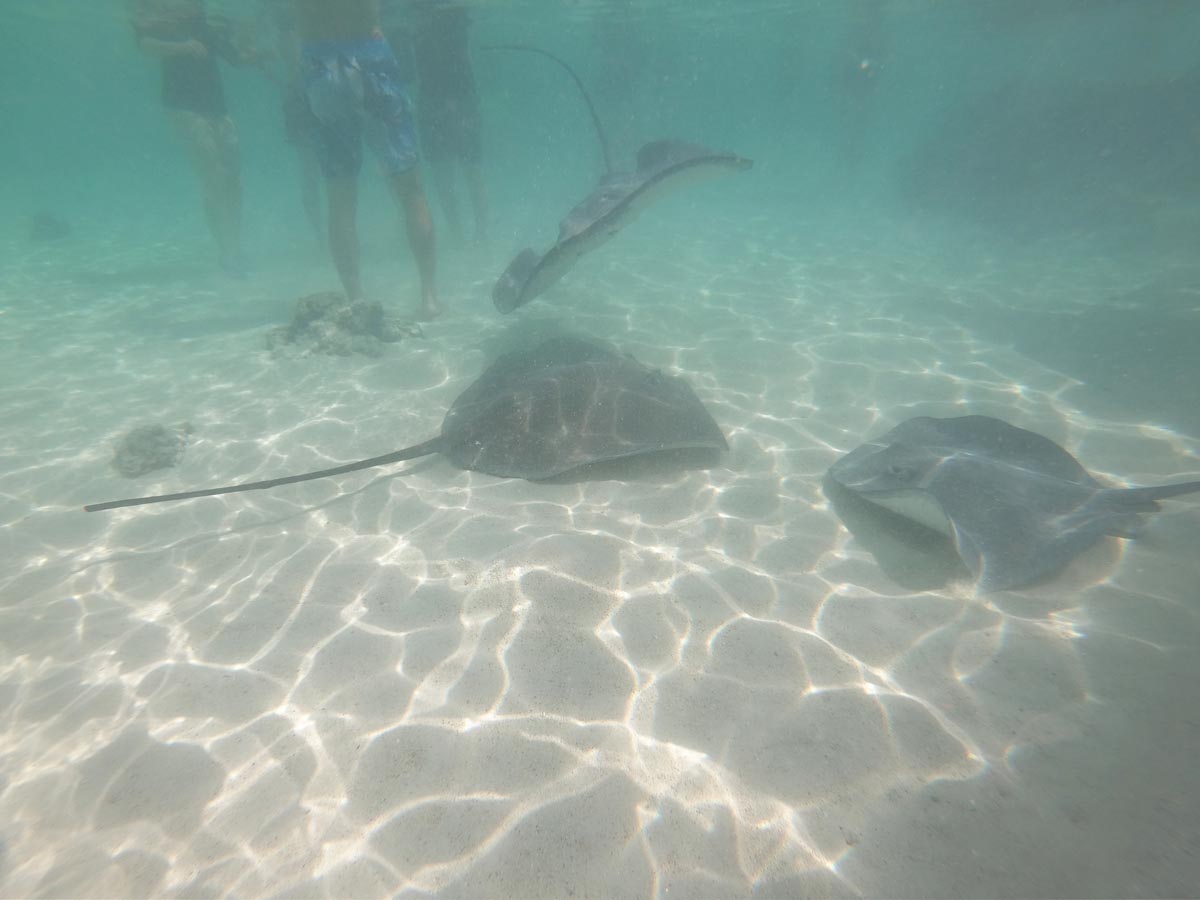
895, 470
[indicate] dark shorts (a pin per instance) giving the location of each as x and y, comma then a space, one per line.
299, 124
449, 128
354, 90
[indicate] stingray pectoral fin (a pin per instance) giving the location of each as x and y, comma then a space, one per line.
509, 292
1131, 526
971, 552
1016, 567
1003, 548
423, 449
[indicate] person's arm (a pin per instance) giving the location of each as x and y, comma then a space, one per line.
163, 49
147, 28
236, 43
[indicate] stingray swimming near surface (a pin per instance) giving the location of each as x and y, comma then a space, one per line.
564, 407
1017, 505
618, 199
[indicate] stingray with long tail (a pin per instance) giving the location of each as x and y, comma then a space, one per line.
616, 201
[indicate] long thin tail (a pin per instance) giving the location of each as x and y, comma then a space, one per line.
430, 446
1144, 497
608, 165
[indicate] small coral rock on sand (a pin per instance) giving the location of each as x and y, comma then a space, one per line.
328, 323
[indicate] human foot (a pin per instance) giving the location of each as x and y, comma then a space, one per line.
234, 265
430, 309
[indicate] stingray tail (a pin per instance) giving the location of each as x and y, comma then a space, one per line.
600, 136
424, 449
1144, 499
1117, 511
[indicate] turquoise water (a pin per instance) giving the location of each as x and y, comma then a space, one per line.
420, 680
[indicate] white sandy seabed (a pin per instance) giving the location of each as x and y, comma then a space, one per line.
419, 680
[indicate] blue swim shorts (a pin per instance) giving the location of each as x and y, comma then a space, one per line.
354, 89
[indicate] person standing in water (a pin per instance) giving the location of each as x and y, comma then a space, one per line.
354, 89
297, 118
179, 34
448, 118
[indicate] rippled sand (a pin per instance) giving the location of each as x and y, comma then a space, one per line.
417, 680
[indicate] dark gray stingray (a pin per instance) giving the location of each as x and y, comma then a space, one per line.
562, 407
1017, 506
617, 200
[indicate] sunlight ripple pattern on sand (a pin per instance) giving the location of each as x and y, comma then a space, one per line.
429, 680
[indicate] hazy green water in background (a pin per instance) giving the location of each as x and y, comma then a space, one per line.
1085, 94
1026, 122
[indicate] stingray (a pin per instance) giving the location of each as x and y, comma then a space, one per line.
617, 201
1017, 506
562, 408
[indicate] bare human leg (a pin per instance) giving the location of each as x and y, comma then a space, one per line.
443, 180
229, 154
343, 232
310, 189
213, 150
410, 198
473, 172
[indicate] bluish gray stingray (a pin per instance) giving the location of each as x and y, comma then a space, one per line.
616, 201
1017, 506
564, 407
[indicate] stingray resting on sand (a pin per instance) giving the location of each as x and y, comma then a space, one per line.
618, 199
561, 408
1017, 505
